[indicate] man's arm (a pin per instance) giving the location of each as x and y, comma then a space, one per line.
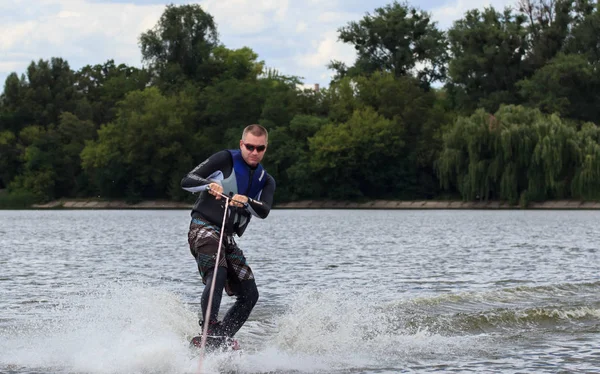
262, 206
209, 171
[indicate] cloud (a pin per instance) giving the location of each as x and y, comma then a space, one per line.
326, 50
301, 27
246, 17
451, 11
79, 31
10, 65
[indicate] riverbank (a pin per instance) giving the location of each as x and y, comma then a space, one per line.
318, 204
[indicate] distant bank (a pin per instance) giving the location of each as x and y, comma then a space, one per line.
324, 204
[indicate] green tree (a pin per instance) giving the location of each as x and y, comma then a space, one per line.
38, 97
179, 46
13, 114
9, 157
103, 86
38, 174
50, 91
50, 158
586, 181
488, 50
398, 39
567, 85
144, 149
518, 155
548, 23
585, 31
351, 156
289, 158
416, 116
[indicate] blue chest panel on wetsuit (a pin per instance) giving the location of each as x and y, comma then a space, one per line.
247, 186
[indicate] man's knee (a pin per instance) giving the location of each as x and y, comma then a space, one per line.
250, 292
221, 276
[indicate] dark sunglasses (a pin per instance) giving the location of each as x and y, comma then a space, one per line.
259, 148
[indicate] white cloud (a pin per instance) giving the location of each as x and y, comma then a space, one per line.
301, 27
328, 49
67, 14
446, 14
339, 18
13, 34
246, 16
10, 66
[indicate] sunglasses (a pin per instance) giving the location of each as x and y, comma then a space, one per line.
251, 148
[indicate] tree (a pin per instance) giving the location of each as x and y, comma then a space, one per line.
50, 158
586, 181
517, 155
145, 149
398, 39
488, 50
289, 158
567, 85
585, 31
13, 114
103, 85
9, 157
179, 46
50, 91
351, 157
548, 23
38, 97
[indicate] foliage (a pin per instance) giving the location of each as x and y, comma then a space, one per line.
567, 85
488, 50
16, 200
519, 154
143, 148
179, 46
397, 39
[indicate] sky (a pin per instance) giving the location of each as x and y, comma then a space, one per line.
295, 37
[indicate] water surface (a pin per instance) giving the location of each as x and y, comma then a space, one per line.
341, 291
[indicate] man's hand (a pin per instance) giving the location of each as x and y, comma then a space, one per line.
239, 200
216, 190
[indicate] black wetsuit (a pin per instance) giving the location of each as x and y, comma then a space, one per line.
219, 168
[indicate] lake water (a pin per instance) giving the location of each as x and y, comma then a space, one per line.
341, 291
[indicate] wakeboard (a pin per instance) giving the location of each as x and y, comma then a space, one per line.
216, 343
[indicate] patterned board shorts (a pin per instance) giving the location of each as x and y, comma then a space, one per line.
203, 239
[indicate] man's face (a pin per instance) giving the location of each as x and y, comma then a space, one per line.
258, 147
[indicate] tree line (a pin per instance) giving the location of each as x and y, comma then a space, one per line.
501, 106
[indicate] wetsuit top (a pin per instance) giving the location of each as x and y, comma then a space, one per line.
229, 169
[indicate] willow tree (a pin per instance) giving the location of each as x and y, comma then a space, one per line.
517, 154
586, 181
468, 162
554, 159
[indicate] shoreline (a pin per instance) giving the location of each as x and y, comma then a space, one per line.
329, 204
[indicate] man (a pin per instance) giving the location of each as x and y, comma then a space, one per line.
237, 174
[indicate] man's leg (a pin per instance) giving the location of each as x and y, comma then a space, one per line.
247, 296
217, 295
204, 243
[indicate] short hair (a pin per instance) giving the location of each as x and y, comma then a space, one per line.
256, 130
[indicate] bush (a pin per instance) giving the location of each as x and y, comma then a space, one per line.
17, 200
